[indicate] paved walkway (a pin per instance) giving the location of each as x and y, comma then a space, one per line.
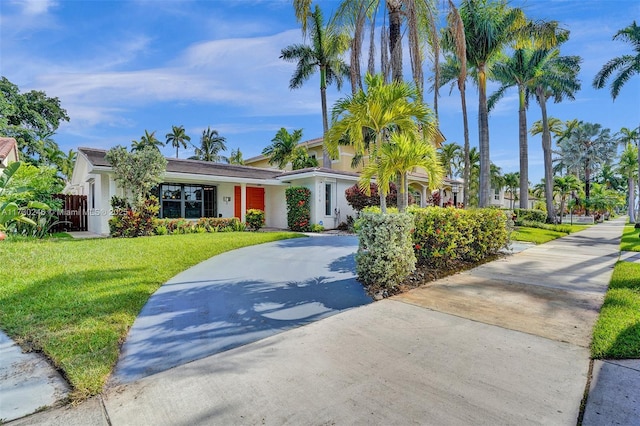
505, 343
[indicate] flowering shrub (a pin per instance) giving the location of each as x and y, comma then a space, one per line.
204, 224
359, 200
255, 219
385, 254
133, 221
298, 208
444, 235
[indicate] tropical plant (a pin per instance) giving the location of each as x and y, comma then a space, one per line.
404, 152
177, 138
146, 140
511, 184
625, 66
450, 158
586, 147
382, 109
564, 186
325, 56
298, 208
235, 157
211, 143
67, 164
254, 219
630, 136
283, 147
10, 211
628, 167
300, 159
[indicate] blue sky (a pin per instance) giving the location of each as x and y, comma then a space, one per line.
120, 67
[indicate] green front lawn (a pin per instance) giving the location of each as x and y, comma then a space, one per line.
540, 236
630, 239
617, 332
75, 300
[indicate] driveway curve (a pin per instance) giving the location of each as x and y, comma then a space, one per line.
240, 297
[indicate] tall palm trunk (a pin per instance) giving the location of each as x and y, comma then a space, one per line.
467, 166
483, 131
548, 162
587, 186
326, 160
632, 199
524, 150
395, 38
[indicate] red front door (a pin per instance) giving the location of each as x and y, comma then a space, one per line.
255, 199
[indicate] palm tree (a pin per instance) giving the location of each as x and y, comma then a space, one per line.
564, 186
211, 143
626, 65
512, 184
325, 56
628, 136
457, 43
382, 109
404, 152
67, 165
628, 167
283, 147
586, 146
177, 137
235, 157
148, 139
300, 159
450, 157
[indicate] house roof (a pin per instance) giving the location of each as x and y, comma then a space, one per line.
174, 165
6, 146
319, 170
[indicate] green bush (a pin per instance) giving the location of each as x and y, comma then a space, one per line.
443, 236
530, 214
255, 219
215, 224
298, 208
133, 221
549, 227
316, 227
385, 254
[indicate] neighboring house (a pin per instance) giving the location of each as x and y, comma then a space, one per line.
194, 189
503, 199
8, 151
450, 193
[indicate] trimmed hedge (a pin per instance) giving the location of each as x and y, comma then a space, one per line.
385, 254
443, 236
530, 215
204, 224
298, 208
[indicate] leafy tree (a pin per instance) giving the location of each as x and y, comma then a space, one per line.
211, 144
35, 183
625, 66
137, 172
148, 139
628, 167
324, 55
235, 157
587, 146
28, 117
67, 164
300, 159
381, 109
177, 138
404, 152
10, 210
283, 147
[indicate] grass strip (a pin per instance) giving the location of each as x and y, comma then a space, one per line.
535, 235
75, 300
630, 238
617, 331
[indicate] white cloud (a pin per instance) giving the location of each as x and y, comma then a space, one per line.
35, 7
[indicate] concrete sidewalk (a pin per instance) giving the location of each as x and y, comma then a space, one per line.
505, 343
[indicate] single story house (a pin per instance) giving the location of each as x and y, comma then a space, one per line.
8, 152
192, 189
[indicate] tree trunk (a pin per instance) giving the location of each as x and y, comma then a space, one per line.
483, 132
561, 208
638, 217
524, 151
467, 167
587, 187
395, 39
548, 161
402, 193
632, 199
177, 151
326, 160
383, 201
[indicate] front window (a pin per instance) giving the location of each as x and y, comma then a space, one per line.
188, 201
328, 199
496, 194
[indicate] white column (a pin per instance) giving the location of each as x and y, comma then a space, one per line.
423, 198
243, 202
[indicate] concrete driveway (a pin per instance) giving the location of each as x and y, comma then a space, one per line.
240, 297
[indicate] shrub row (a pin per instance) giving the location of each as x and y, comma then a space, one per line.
532, 215
550, 227
442, 236
298, 208
205, 224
